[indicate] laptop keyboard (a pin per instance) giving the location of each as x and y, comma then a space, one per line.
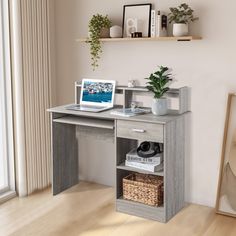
91, 107
78, 107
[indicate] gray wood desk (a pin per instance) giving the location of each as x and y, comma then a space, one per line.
127, 132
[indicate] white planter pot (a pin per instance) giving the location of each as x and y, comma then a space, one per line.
159, 106
115, 31
180, 30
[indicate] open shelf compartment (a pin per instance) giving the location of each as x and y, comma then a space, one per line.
124, 145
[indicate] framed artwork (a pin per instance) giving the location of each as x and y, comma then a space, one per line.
137, 18
226, 195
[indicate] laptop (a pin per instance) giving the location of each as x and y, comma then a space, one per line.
96, 96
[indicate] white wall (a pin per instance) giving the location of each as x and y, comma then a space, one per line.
206, 66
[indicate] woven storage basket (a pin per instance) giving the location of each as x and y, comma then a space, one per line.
147, 189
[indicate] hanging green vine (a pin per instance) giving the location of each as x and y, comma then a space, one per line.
96, 24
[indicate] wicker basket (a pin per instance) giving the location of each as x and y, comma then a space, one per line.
147, 189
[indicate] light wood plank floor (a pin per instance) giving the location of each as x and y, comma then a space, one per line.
88, 209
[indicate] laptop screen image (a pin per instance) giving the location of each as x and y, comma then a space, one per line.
97, 92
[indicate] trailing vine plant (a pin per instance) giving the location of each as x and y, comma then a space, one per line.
96, 24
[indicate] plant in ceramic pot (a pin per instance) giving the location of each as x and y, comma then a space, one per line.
158, 84
181, 16
98, 27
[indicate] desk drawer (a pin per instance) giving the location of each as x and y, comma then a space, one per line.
140, 130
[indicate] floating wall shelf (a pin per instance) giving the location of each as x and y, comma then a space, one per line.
184, 38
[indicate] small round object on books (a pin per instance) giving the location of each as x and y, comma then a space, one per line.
148, 149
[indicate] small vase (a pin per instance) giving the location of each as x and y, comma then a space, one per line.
159, 106
180, 30
115, 31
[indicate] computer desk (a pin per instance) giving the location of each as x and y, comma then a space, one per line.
126, 132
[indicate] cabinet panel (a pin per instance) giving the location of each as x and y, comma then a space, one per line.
140, 131
65, 159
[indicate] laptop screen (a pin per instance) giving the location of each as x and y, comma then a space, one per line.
97, 92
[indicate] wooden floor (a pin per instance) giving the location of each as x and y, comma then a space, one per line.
88, 209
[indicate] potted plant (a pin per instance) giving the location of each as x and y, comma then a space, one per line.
98, 27
181, 17
158, 84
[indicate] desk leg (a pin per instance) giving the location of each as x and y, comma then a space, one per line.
65, 157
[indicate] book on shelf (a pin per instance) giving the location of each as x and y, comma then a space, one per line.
133, 156
145, 166
153, 23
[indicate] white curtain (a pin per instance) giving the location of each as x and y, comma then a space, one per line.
32, 93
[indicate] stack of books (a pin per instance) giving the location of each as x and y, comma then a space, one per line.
152, 164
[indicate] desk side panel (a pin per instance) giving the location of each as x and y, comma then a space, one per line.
174, 159
65, 159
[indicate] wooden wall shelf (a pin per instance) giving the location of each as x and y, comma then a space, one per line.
184, 38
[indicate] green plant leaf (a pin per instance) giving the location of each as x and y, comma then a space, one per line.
181, 14
158, 81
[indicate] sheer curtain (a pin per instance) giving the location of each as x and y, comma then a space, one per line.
3, 130
7, 180
32, 93
3, 136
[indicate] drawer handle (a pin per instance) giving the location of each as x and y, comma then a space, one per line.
139, 130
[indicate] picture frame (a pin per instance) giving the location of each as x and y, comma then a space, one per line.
226, 193
137, 18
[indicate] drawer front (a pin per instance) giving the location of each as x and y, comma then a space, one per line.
140, 130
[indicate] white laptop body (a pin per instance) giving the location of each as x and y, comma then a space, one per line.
96, 95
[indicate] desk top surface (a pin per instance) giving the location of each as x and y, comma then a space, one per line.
150, 118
